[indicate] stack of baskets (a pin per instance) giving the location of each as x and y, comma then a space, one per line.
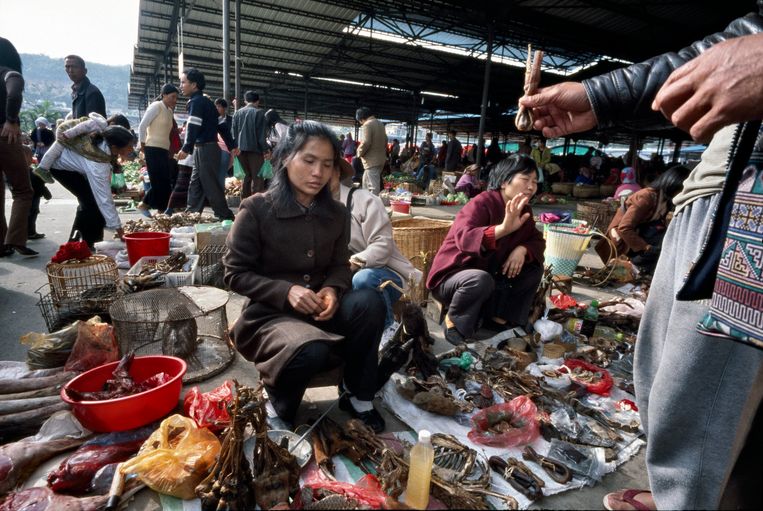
419, 239
597, 214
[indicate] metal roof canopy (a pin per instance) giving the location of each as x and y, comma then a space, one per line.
318, 55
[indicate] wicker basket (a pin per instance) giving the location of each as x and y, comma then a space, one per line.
597, 214
585, 191
564, 248
419, 239
562, 188
76, 280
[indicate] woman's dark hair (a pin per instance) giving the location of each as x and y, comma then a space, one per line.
272, 117
671, 181
193, 75
280, 190
119, 120
9, 57
221, 102
506, 169
118, 136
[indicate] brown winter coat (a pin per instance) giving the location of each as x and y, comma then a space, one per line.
639, 209
271, 250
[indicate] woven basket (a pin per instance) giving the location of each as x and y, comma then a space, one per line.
597, 214
585, 191
419, 239
80, 280
572, 224
564, 248
562, 188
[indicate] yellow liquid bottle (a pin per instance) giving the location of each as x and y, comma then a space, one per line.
420, 472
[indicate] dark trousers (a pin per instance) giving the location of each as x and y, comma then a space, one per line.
88, 221
158, 166
205, 182
33, 212
360, 319
252, 163
179, 196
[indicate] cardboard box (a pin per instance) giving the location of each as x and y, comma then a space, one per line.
210, 234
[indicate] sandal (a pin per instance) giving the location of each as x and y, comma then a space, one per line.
625, 500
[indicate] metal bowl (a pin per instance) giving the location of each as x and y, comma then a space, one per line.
303, 452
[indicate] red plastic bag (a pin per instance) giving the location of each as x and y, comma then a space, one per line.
601, 387
520, 412
563, 301
209, 410
367, 492
95, 346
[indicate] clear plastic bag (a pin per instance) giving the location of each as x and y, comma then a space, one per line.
175, 458
521, 413
584, 461
50, 350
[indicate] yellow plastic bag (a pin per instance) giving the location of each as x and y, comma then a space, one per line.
175, 458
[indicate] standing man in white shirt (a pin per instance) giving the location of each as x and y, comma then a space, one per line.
372, 150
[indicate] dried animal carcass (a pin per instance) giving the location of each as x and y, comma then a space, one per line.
180, 334
433, 396
524, 120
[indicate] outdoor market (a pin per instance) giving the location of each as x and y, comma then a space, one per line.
386, 255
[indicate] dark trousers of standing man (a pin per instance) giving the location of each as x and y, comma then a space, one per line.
360, 319
88, 221
252, 163
13, 168
206, 183
158, 166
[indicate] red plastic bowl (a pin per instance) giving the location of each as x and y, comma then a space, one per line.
128, 412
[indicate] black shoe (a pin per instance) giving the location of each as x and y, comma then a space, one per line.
6, 251
24, 251
453, 336
371, 418
35, 236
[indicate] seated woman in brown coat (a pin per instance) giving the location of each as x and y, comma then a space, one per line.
640, 224
287, 253
491, 261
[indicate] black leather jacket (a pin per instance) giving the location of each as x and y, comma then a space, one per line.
624, 97
88, 99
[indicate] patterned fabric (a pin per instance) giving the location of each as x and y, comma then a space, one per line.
737, 305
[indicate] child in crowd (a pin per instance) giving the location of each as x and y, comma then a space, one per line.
469, 183
76, 134
39, 191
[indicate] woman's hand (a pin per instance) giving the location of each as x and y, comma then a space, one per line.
330, 301
514, 262
181, 155
304, 300
513, 217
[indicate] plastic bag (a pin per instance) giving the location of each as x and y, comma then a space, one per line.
520, 412
95, 346
238, 169
601, 387
367, 492
266, 171
548, 330
623, 270
563, 301
209, 410
175, 458
50, 350
584, 461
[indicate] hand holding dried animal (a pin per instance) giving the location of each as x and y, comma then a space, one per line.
524, 119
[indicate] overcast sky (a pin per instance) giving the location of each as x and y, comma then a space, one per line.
103, 31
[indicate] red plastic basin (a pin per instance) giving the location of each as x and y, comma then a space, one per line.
128, 412
140, 244
401, 207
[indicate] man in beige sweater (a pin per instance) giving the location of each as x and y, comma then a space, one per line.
372, 150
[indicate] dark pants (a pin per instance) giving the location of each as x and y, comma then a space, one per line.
179, 196
471, 295
88, 221
252, 163
205, 182
360, 319
14, 169
653, 233
158, 166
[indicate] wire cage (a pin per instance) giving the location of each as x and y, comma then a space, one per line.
86, 279
211, 264
58, 314
186, 322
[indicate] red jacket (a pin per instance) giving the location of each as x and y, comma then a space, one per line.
468, 245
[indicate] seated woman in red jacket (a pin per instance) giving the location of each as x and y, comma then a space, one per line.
491, 261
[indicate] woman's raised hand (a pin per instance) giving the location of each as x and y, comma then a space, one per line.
305, 301
513, 217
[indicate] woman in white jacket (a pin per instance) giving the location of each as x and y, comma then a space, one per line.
375, 256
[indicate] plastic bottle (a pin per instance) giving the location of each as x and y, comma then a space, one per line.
590, 318
420, 472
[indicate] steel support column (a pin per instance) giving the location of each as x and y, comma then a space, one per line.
485, 89
237, 64
226, 49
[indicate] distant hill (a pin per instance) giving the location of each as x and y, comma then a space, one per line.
46, 80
